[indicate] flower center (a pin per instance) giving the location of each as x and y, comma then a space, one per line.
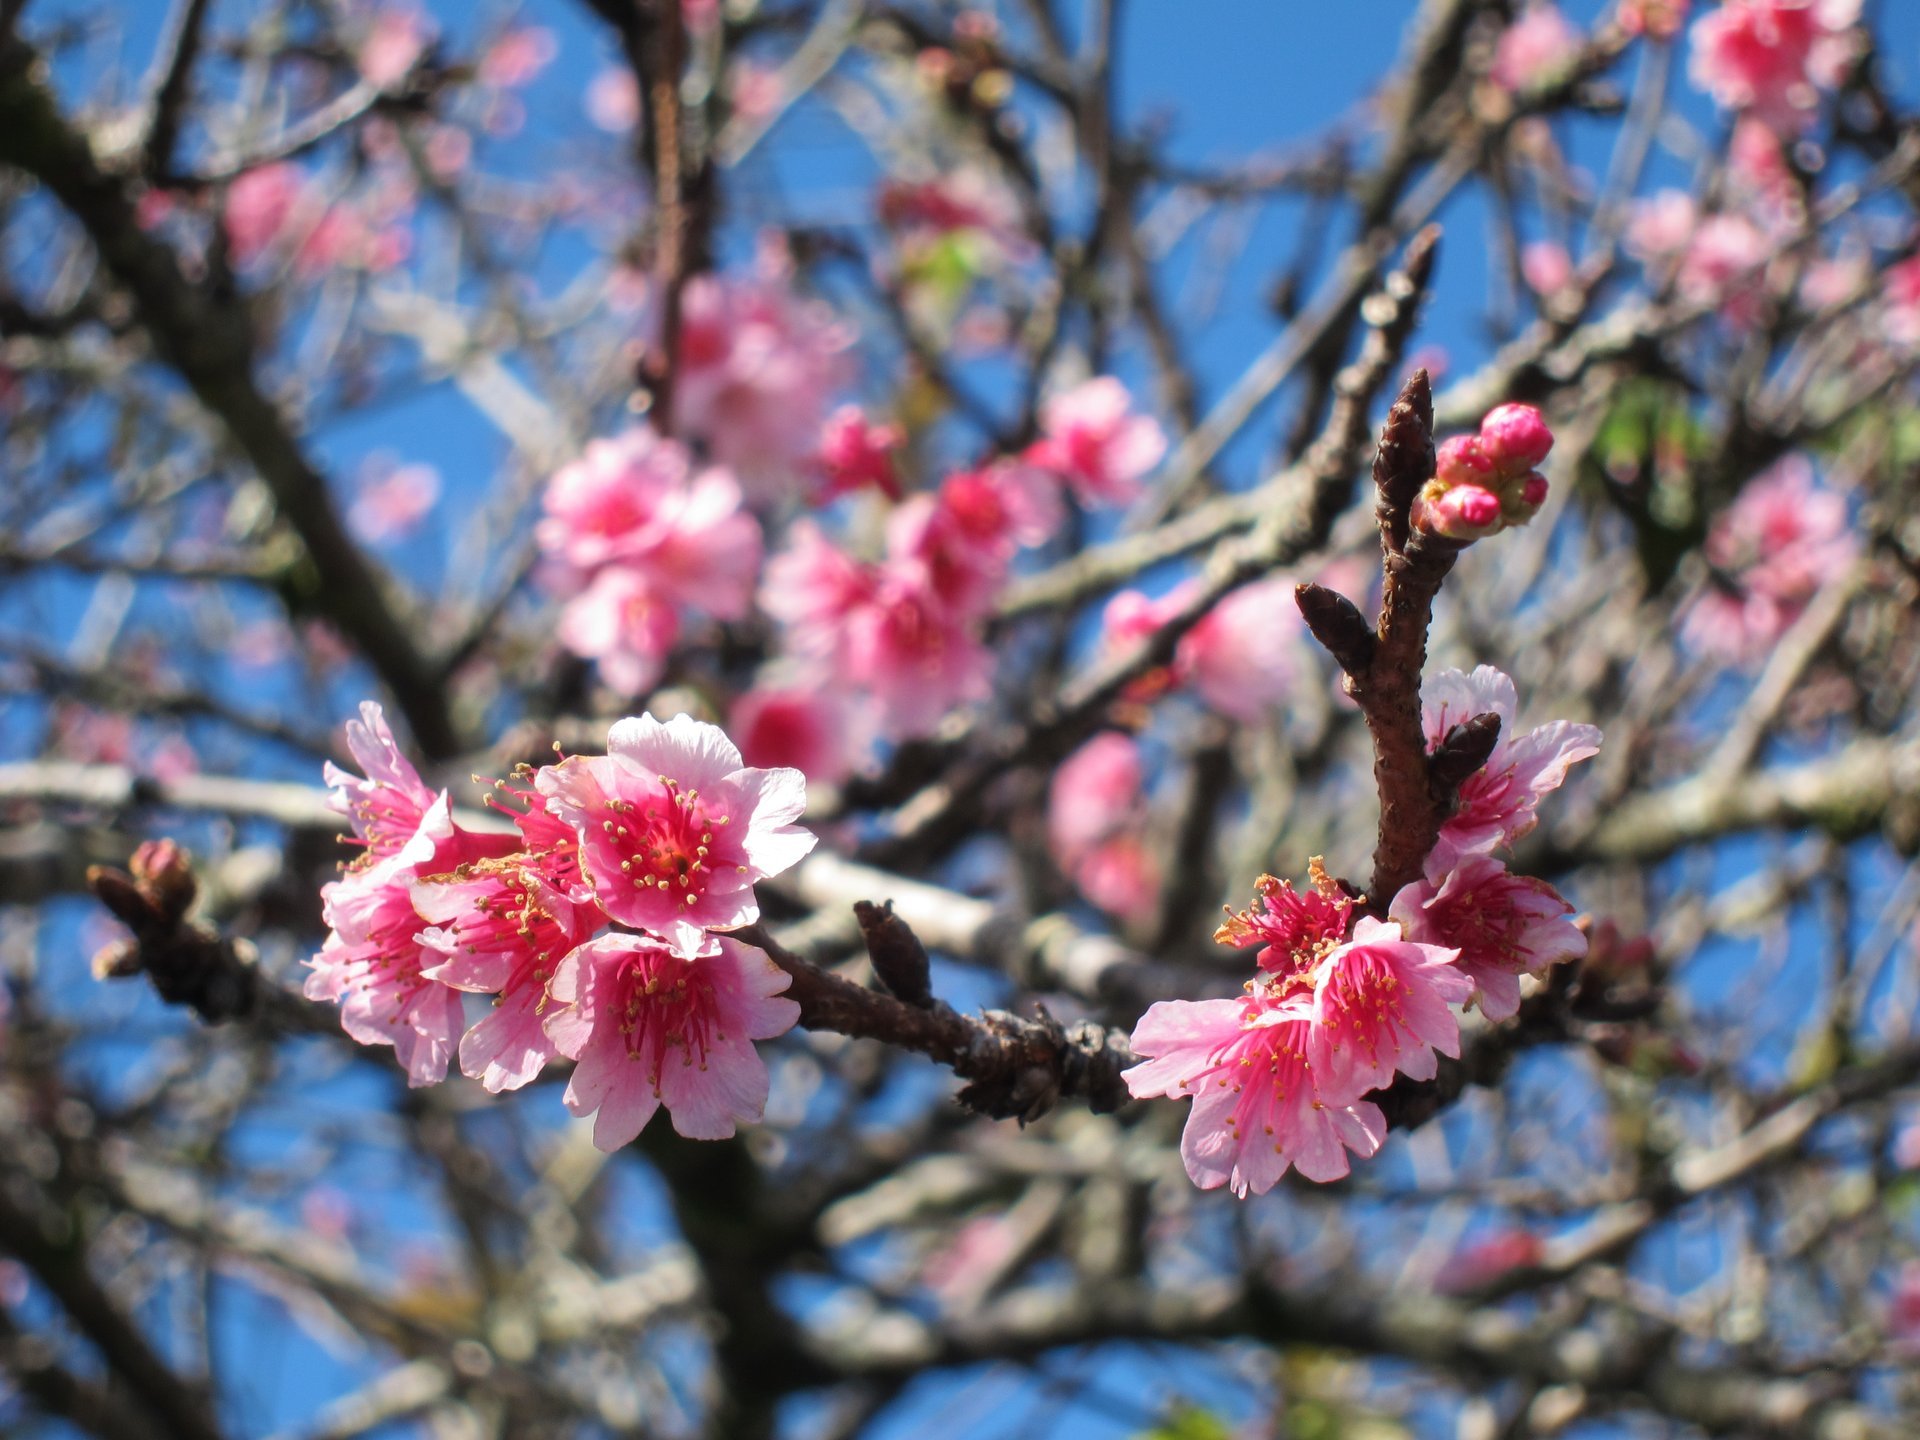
667, 841
667, 1007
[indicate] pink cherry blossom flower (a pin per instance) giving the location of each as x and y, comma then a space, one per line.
674, 829
793, 724
856, 453
394, 42
1486, 1260
1515, 438
1758, 171
1771, 58
520, 53
884, 629
1900, 300
1091, 438
1535, 50
1656, 19
1095, 793
372, 963
1723, 266
758, 365
499, 927
622, 622
1783, 538
637, 500
1241, 657
1380, 1005
1120, 875
648, 1027
1546, 267
259, 204
613, 100
1503, 925
1295, 930
391, 505
912, 655
1257, 1110
963, 537
811, 587
387, 807
1486, 482
1497, 802
1661, 225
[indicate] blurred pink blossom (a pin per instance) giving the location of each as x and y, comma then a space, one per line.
519, 54
1771, 58
758, 365
395, 40
1546, 266
613, 100
1536, 49
392, 502
1091, 438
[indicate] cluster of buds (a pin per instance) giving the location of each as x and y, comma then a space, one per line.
1485, 483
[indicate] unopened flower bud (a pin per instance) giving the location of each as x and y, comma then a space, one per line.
1462, 461
1460, 512
1515, 438
164, 874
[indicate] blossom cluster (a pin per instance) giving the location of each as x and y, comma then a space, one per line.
1784, 536
595, 924
1485, 483
903, 632
1344, 996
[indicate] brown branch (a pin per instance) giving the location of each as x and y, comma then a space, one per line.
1017, 1067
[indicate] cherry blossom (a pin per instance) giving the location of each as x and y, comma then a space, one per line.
789, 722
1257, 1107
392, 502
648, 1025
1771, 58
1295, 930
1503, 925
1380, 1005
1497, 802
640, 536
1091, 438
1241, 657
885, 629
501, 927
674, 829
1094, 794
1783, 538
624, 623
387, 806
637, 500
1535, 50
395, 40
372, 963
1485, 483
855, 453
757, 366
259, 204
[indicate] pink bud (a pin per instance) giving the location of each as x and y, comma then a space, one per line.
1463, 512
1515, 438
1534, 493
1463, 461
